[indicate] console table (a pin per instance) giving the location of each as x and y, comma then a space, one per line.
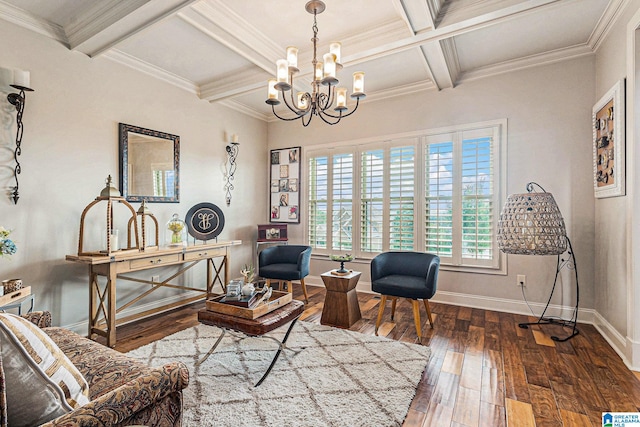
107, 269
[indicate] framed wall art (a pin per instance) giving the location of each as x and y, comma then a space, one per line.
608, 121
284, 197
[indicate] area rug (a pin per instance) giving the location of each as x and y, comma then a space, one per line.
326, 377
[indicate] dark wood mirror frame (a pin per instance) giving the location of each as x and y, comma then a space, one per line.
145, 155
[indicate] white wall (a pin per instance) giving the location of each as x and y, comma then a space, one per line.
549, 141
70, 145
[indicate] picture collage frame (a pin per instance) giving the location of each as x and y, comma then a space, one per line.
608, 122
284, 197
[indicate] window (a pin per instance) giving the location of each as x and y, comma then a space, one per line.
427, 191
460, 197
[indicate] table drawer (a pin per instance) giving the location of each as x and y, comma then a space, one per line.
206, 253
137, 264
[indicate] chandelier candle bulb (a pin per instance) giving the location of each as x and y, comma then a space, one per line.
272, 92
358, 84
292, 58
341, 98
282, 70
334, 48
329, 68
318, 73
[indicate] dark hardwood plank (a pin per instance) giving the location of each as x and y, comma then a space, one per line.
484, 370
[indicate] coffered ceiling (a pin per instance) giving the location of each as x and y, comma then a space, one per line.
225, 50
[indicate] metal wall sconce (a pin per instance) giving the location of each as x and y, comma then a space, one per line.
21, 79
232, 154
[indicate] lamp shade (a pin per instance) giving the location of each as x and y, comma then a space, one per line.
531, 224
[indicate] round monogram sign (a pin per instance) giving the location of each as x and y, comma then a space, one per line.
205, 221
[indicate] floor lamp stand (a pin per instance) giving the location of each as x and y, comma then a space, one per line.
570, 263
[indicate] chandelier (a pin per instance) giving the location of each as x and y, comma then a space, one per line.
329, 104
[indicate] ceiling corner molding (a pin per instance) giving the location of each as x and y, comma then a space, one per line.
94, 19
450, 54
111, 22
233, 85
408, 89
606, 23
531, 61
151, 70
241, 108
231, 30
26, 20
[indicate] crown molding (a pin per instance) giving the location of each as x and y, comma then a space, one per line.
606, 23
531, 61
151, 70
234, 85
241, 108
33, 23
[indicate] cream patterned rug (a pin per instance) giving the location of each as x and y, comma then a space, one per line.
326, 377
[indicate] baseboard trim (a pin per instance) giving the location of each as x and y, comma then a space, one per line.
81, 327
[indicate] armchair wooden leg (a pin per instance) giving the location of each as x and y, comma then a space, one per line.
416, 318
289, 286
426, 305
269, 282
304, 291
383, 302
393, 307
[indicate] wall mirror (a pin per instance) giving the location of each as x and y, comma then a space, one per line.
149, 165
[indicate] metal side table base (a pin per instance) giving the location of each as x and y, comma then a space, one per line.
281, 346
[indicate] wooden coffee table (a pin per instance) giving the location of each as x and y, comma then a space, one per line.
341, 306
288, 313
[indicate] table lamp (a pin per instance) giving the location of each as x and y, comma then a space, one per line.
531, 224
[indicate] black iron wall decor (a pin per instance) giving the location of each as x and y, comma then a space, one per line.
18, 100
233, 148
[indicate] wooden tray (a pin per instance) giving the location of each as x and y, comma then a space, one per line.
15, 295
278, 299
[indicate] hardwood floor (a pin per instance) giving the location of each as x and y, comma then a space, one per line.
484, 370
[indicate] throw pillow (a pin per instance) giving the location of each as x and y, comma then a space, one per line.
41, 382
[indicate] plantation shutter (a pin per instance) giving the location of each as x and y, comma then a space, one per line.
438, 217
342, 202
372, 201
401, 198
317, 219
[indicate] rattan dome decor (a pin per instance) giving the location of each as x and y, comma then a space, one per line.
531, 224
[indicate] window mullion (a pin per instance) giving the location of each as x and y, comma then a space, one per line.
329, 202
356, 204
386, 216
457, 200
419, 195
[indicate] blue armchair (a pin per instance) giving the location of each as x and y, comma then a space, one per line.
285, 262
411, 275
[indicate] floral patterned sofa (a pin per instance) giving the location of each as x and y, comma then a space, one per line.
122, 391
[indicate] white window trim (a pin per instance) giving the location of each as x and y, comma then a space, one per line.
356, 147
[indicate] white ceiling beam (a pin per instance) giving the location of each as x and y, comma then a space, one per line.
216, 20
111, 22
451, 30
25, 19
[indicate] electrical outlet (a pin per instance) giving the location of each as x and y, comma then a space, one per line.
522, 280
155, 278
